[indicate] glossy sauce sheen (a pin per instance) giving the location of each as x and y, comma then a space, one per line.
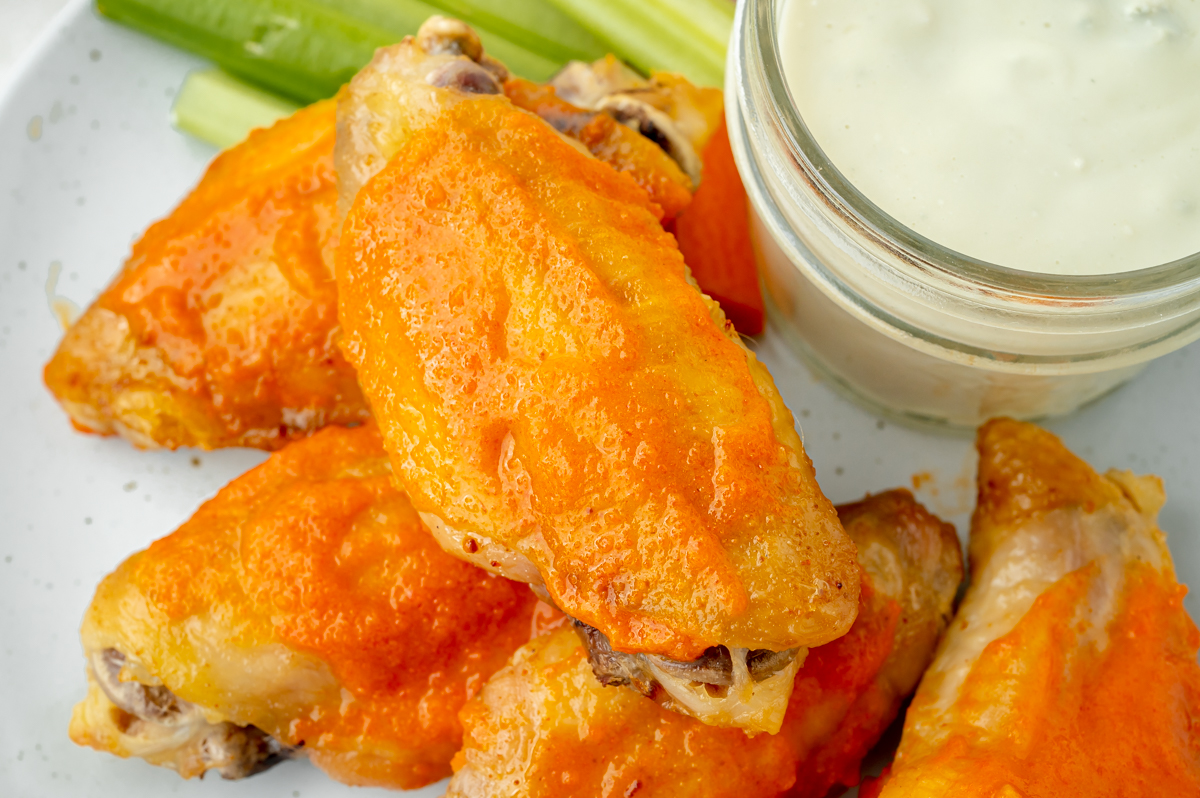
544, 728
598, 741
1104, 719
220, 330
1058, 137
1071, 668
1094, 723
314, 561
545, 376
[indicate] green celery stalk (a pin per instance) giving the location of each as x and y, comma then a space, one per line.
533, 25
519, 61
222, 110
297, 48
537, 25
303, 49
652, 35
712, 19
402, 18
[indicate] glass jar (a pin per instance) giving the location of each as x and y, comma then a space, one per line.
904, 325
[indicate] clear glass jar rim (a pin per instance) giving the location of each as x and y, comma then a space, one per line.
1178, 275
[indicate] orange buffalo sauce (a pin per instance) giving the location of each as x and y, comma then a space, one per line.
842, 674
226, 310
550, 380
317, 551
592, 741
1060, 708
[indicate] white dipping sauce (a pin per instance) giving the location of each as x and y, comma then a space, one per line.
1058, 136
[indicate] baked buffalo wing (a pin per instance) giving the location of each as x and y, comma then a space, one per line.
544, 726
561, 403
220, 330
304, 611
652, 146
1070, 669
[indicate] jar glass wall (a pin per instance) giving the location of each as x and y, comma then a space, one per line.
903, 324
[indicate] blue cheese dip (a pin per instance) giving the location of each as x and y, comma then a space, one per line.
1054, 136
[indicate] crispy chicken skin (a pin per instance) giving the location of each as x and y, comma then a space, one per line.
220, 330
618, 145
303, 610
544, 726
1070, 669
665, 108
560, 402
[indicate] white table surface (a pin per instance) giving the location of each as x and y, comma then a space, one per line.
20, 23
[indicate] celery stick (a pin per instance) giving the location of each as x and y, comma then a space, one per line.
519, 61
399, 19
711, 18
537, 25
403, 18
222, 110
651, 38
297, 48
303, 49
533, 25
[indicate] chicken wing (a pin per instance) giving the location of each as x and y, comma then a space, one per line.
544, 726
561, 403
1070, 668
305, 610
651, 130
220, 330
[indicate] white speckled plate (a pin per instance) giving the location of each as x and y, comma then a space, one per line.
87, 161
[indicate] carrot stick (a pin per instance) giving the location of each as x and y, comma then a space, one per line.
714, 236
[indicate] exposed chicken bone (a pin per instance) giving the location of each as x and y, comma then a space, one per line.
614, 89
231, 750
656, 126
714, 666
465, 76
444, 36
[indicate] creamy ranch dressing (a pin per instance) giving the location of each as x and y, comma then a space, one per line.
1058, 136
